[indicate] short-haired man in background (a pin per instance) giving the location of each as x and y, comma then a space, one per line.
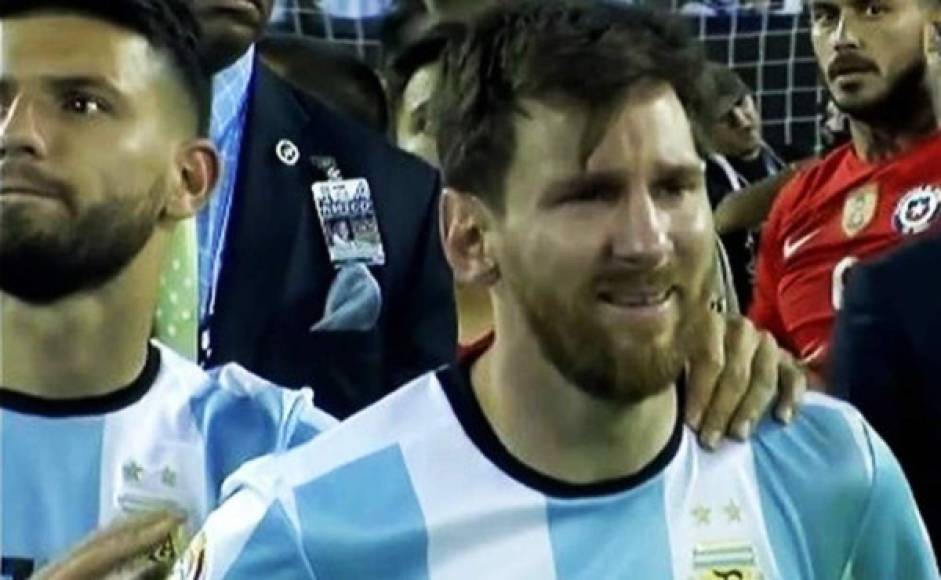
885, 347
103, 109
740, 160
569, 142
863, 198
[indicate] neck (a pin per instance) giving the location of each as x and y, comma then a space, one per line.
880, 139
85, 345
752, 155
567, 434
475, 316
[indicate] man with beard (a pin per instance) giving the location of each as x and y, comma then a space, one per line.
865, 197
577, 195
885, 345
102, 110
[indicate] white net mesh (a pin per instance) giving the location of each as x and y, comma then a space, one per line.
772, 53
770, 50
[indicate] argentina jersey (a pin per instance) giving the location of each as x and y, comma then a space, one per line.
167, 440
419, 487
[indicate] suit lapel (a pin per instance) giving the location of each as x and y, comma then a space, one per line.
272, 209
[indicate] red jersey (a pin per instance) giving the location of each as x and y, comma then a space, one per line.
826, 219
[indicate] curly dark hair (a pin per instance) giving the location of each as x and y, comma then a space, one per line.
587, 50
169, 26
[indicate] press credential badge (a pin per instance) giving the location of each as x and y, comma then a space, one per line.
348, 219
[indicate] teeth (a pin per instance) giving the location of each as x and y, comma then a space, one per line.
635, 300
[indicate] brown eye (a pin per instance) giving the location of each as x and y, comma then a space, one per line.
86, 105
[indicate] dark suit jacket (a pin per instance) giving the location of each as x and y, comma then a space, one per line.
276, 269
886, 360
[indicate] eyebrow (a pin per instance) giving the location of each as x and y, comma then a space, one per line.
66, 83
680, 169
570, 183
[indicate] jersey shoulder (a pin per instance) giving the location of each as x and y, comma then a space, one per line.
827, 434
401, 418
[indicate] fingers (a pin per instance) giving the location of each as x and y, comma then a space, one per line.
761, 389
792, 388
111, 550
704, 367
741, 345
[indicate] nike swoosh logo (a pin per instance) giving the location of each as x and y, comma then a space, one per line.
791, 246
815, 354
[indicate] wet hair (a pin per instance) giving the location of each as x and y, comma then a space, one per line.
589, 51
168, 25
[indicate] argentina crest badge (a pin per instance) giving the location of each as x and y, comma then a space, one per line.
726, 561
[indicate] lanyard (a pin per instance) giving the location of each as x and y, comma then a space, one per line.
771, 161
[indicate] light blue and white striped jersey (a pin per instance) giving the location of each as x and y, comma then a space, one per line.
419, 487
168, 439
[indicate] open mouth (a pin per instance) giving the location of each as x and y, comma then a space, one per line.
9, 189
637, 299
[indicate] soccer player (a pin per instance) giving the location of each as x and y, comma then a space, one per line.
865, 197
576, 194
103, 110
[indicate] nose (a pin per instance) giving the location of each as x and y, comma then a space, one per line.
640, 232
843, 36
20, 133
741, 118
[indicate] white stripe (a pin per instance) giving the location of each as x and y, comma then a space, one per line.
404, 415
720, 484
494, 527
678, 497
155, 434
227, 531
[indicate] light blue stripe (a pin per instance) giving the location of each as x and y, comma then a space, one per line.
892, 543
813, 488
51, 482
235, 429
625, 538
363, 521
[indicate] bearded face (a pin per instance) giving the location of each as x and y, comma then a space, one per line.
609, 260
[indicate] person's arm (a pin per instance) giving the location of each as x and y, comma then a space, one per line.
892, 541
867, 355
749, 207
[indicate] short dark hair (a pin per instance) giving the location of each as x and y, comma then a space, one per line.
588, 51
320, 68
168, 25
422, 51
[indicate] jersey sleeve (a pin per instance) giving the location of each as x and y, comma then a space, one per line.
289, 415
244, 417
248, 537
892, 541
764, 310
